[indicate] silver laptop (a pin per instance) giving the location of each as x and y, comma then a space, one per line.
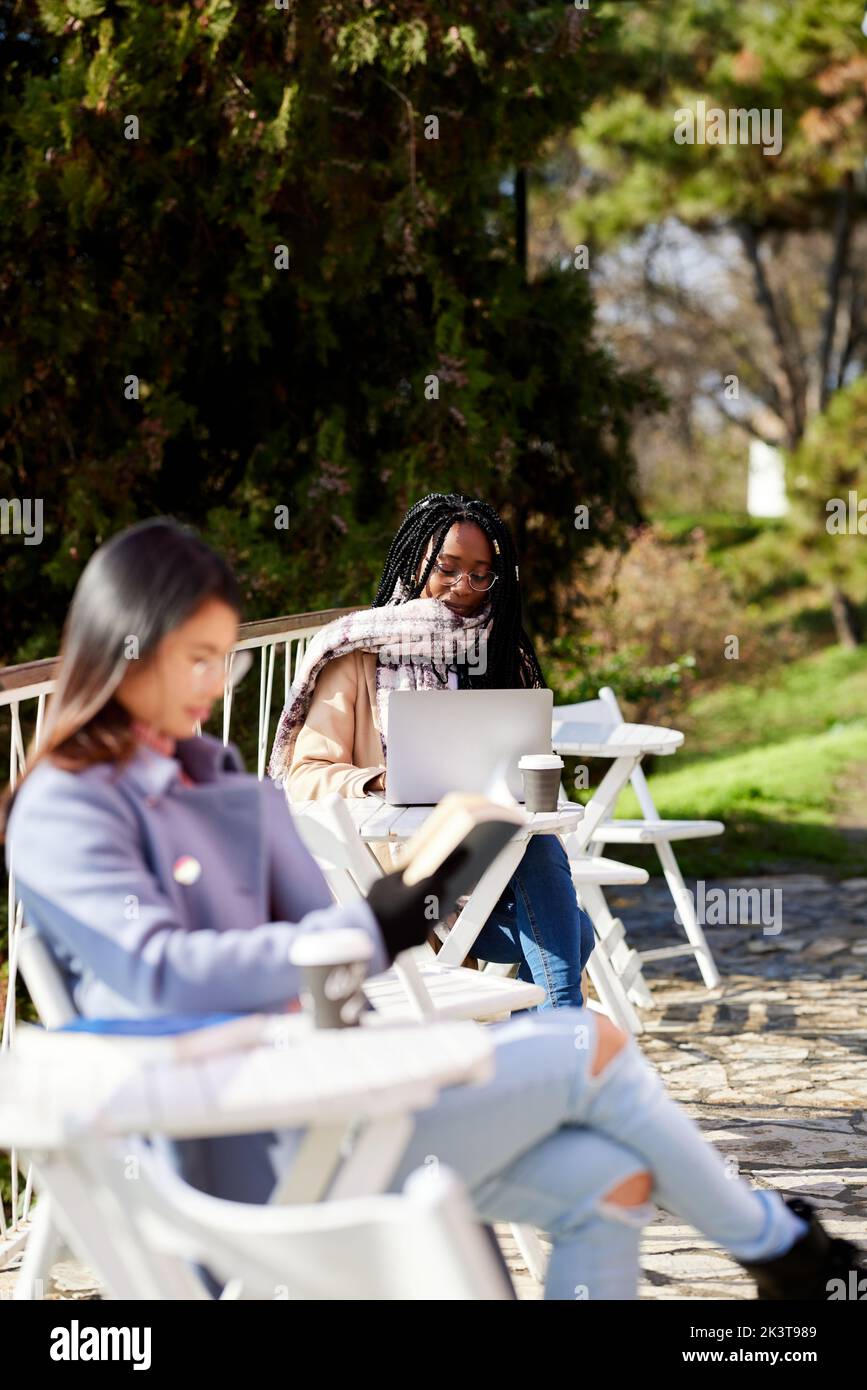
462, 740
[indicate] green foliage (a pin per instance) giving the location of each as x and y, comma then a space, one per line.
655, 620
779, 805
769, 756
804, 58
575, 678
807, 697
829, 464
304, 387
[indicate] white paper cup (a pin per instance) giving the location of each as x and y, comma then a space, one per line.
334, 965
541, 773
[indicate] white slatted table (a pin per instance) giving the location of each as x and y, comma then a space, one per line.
625, 745
57, 1088
376, 821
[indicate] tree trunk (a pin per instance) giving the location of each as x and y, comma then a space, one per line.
847, 620
521, 218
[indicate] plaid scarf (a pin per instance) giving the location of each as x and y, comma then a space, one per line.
409, 637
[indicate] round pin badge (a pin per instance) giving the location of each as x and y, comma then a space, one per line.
186, 870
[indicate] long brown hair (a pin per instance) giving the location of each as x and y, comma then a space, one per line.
134, 590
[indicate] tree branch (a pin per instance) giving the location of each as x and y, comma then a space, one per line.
746, 424
794, 405
854, 331
836, 269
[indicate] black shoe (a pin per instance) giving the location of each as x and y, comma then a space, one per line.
807, 1272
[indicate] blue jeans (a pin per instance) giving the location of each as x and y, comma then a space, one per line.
538, 922
544, 1141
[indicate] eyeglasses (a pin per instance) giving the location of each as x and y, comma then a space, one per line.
451, 576
234, 668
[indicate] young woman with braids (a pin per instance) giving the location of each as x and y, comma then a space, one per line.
451, 576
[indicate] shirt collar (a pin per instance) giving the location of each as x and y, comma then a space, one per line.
204, 757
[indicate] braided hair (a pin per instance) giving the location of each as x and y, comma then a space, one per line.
511, 657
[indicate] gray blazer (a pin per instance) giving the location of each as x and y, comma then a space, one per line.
159, 898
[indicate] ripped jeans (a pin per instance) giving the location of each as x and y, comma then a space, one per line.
544, 1141
538, 922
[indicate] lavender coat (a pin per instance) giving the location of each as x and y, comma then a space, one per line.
102, 864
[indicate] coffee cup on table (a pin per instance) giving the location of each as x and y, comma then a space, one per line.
334, 965
541, 773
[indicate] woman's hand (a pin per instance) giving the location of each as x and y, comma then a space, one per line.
407, 913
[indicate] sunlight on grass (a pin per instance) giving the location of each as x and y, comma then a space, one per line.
769, 759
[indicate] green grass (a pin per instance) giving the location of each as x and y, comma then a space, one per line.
820, 692
722, 529
770, 759
771, 568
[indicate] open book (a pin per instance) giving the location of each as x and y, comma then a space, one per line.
479, 828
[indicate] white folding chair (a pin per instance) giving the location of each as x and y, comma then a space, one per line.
45, 983
416, 985
147, 1236
53, 1002
605, 715
423, 987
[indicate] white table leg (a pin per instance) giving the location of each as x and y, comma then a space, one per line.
484, 896
611, 993
600, 806
41, 1250
323, 1171
317, 1159
374, 1158
611, 942
686, 908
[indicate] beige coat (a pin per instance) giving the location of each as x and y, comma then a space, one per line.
339, 748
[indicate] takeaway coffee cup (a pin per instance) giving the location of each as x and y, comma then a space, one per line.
541, 773
333, 965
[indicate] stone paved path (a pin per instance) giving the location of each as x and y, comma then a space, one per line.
773, 1066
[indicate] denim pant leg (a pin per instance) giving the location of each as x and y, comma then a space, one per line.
538, 922
544, 1141
515, 1144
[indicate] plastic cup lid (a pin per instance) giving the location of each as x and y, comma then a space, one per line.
341, 946
540, 761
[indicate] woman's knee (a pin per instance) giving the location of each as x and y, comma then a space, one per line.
635, 1190
632, 1192
609, 1041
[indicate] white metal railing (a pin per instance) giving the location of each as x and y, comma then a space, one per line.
35, 681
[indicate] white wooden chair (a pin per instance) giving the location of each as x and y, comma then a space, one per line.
147, 1237
45, 983
449, 990
614, 967
54, 1005
415, 983
458, 993
597, 727
416, 986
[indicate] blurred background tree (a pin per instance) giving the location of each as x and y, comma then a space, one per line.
828, 478
717, 261
453, 262
307, 387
